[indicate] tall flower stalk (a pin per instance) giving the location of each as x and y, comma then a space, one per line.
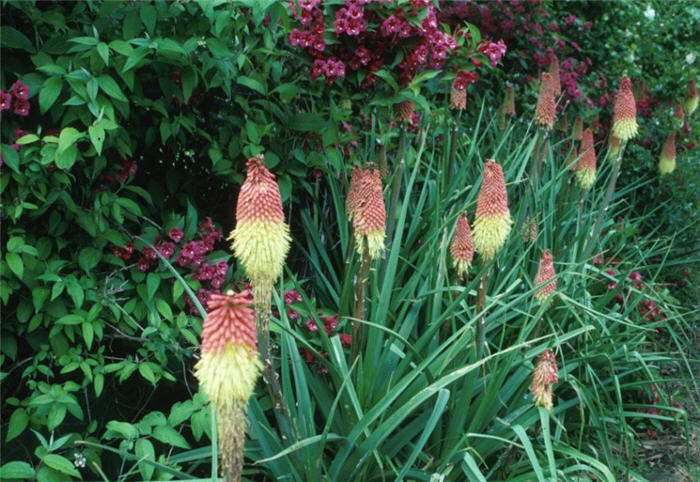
228, 371
261, 243
624, 128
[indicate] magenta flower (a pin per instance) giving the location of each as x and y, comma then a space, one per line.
143, 264
5, 100
19, 91
21, 107
175, 234
494, 51
166, 249
311, 325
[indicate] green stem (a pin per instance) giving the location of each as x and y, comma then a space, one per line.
396, 185
480, 305
606, 202
358, 311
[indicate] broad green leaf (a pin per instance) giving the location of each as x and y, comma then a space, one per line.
67, 138
61, 464
12, 38
14, 261
144, 450
88, 258
49, 93
152, 283
103, 51
110, 87
127, 430
252, 84
97, 137
170, 436
18, 422
27, 139
70, 320
16, 470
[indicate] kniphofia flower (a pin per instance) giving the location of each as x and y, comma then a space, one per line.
403, 112
509, 100
546, 107
544, 376
679, 114
577, 132
228, 370
261, 238
691, 103
625, 113
545, 280
667, 161
586, 165
554, 72
462, 247
366, 211
458, 95
492, 223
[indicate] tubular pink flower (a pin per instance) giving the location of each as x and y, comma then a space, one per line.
462, 247
625, 113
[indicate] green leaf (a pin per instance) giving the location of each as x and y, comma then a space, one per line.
14, 39
14, 261
148, 15
127, 430
27, 139
88, 258
169, 435
103, 51
61, 464
98, 382
97, 137
189, 81
10, 157
144, 450
147, 372
57, 413
49, 93
88, 333
18, 422
71, 319
134, 58
16, 470
252, 84
164, 308
152, 283
110, 87
67, 138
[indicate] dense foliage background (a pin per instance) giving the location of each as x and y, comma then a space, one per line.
133, 137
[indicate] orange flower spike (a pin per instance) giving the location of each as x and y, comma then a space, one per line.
545, 279
546, 106
667, 162
367, 211
492, 222
261, 237
462, 247
544, 376
625, 112
228, 370
586, 166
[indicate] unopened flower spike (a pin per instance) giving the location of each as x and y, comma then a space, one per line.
544, 376
625, 112
667, 161
492, 223
403, 112
462, 247
227, 371
586, 165
545, 110
366, 211
261, 237
545, 280
577, 132
554, 72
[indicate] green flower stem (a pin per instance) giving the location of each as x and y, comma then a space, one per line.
358, 311
396, 185
606, 202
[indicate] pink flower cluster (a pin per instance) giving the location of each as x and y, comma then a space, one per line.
330, 323
494, 51
20, 93
331, 68
464, 78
